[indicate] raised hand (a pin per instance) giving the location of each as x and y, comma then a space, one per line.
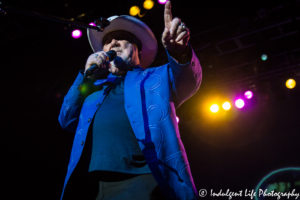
176, 36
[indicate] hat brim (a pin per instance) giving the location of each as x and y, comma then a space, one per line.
132, 25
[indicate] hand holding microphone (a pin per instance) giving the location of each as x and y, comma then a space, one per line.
98, 63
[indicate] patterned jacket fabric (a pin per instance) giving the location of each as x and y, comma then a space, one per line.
151, 96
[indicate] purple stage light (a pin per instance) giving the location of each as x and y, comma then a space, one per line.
239, 103
162, 1
248, 94
76, 34
92, 24
177, 119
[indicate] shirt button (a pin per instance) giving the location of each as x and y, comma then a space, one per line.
89, 119
98, 104
193, 63
82, 142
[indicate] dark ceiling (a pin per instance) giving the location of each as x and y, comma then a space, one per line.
40, 60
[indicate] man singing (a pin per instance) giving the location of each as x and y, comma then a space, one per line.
127, 144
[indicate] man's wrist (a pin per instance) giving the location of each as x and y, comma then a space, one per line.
184, 56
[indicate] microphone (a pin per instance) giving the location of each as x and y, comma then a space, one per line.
111, 56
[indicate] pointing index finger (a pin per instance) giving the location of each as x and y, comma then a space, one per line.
168, 15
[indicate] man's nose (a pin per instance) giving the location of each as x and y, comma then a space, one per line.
114, 42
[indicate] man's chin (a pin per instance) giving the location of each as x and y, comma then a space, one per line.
113, 70
116, 71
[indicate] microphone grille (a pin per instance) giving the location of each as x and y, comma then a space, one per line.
112, 55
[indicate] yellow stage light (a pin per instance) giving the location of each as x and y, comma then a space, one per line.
134, 10
214, 108
148, 4
291, 83
226, 105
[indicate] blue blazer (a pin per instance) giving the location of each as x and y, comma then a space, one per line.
151, 96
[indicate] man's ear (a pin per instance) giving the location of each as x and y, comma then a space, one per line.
140, 55
139, 52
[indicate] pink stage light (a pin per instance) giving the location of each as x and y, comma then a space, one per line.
248, 94
162, 1
239, 103
177, 119
76, 34
92, 24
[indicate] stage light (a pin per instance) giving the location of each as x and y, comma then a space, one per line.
162, 1
92, 24
239, 103
76, 34
148, 4
248, 94
134, 10
291, 83
264, 57
177, 119
226, 105
214, 108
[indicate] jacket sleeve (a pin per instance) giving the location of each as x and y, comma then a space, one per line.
185, 78
71, 107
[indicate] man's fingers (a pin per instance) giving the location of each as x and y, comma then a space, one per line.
174, 26
98, 58
180, 29
182, 35
166, 35
102, 58
168, 14
103, 55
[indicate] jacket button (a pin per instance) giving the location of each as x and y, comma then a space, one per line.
82, 142
193, 63
98, 104
89, 119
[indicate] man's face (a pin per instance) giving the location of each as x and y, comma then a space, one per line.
127, 52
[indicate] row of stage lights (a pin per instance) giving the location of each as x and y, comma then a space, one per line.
240, 103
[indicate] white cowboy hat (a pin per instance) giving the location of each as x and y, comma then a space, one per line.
132, 25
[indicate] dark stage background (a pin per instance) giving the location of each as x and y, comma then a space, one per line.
39, 61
